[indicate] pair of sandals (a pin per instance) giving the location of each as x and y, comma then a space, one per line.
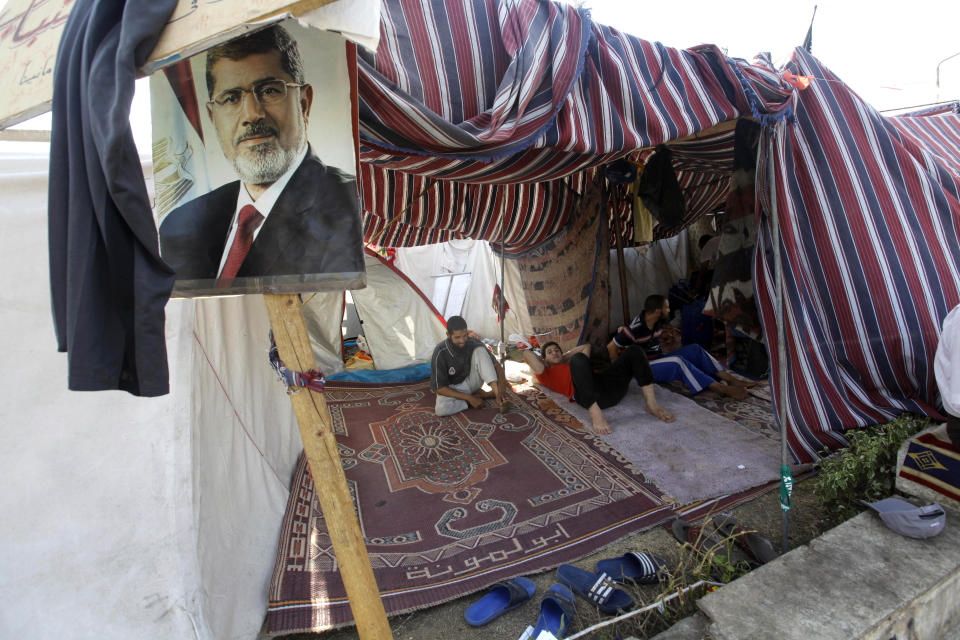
759, 550
557, 610
600, 586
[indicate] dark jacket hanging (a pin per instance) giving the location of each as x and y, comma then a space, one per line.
108, 283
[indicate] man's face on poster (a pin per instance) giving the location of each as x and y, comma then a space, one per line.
260, 114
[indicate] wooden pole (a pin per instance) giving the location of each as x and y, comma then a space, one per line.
313, 417
621, 267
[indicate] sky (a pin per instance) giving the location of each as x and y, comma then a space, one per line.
888, 52
885, 51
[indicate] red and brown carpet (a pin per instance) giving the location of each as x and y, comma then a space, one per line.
450, 505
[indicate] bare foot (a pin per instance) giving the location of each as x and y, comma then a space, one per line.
730, 390
600, 425
485, 394
661, 413
735, 380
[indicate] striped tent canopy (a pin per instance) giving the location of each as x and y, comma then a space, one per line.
477, 114
491, 120
869, 219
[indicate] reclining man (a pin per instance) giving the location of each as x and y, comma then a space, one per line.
570, 373
691, 364
460, 366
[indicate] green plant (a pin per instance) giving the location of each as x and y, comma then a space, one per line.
865, 469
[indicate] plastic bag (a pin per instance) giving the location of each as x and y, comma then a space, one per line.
360, 360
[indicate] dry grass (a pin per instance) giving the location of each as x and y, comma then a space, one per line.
693, 566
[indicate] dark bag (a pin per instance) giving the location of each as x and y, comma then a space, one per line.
660, 191
750, 358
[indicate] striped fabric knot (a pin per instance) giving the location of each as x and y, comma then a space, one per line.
312, 379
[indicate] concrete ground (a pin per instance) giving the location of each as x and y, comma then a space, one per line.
860, 580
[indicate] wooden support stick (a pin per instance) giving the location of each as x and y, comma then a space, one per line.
621, 267
313, 417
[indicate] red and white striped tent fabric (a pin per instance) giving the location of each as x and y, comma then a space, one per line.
477, 113
489, 119
869, 217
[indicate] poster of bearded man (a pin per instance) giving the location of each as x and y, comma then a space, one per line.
254, 156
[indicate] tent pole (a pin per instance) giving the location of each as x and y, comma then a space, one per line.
781, 344
621, 267
330, 483
503, 296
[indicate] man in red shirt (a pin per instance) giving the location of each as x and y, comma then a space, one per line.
570, 373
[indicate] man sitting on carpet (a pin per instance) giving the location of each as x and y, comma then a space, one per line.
691, 364
570, 373
460, 366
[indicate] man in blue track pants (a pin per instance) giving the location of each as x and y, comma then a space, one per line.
691, 364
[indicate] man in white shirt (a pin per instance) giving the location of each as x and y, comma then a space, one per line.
946, 368
289, 214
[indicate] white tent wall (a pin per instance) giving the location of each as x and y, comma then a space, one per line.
98, 537
245, 443
134, 517
652, 268
420, 264
323, 313
399, 326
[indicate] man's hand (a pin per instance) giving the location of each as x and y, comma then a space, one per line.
474, 401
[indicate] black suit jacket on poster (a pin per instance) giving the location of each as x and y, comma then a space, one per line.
108, 284
314, 227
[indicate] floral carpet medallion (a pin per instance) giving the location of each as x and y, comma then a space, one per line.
435, 455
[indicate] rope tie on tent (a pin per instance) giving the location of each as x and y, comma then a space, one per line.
295, 380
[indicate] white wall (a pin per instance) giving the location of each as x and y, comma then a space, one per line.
421, 264
97, 522
650, 269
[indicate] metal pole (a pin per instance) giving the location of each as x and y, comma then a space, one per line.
938, 72
503, 295
781, 344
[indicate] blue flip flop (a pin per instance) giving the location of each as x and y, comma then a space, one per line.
557, 613
502, 597
599, 589
641, 567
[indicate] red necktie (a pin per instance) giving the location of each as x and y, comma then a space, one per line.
248, 222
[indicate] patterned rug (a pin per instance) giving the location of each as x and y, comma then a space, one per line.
566, 285
928, 466
754, 413
451, 505
698, 456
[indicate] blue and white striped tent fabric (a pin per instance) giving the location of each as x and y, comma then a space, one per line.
869, 217
479, 110
489, 119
